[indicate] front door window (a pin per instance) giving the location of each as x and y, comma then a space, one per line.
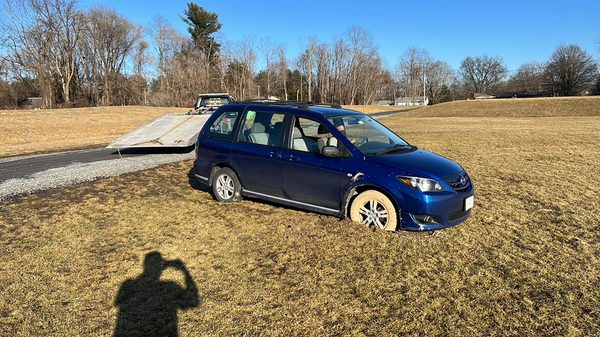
311, 136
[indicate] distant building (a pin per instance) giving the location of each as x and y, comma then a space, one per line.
411, 101
385, 102
31, 102
479, 95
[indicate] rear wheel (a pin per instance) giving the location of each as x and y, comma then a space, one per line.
374, 209
226, 185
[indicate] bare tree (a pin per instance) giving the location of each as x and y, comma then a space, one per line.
570, 71
341, 70
322, 60
167, 41
411, 69
222, 64
362, 51
63, 21
597, 86
439, 79
140, 57
282, 69
239, 75
266, 47
348, 71
42, 36
112, 39
529, 79
482, 73
305, 64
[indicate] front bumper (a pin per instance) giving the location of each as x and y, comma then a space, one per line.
446, 207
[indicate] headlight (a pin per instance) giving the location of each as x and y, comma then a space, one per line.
422, 184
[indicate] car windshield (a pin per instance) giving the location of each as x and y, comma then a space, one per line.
369, 136
206, 101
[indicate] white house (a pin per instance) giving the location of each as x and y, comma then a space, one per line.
412, 101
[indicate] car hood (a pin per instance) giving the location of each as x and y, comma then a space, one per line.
420, 163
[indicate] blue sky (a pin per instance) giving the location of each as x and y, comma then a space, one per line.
518, 31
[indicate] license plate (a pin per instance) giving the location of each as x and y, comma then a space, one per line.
469, 202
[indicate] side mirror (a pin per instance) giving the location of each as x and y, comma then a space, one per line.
331, 151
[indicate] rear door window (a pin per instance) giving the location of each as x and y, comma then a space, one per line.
224, 125
263, 128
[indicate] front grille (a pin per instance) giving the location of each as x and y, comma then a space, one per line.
460, 183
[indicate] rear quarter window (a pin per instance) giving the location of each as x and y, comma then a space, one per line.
223, 127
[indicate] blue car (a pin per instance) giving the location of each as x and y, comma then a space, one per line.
330, 160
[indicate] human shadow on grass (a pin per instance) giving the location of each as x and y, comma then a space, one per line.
149, 306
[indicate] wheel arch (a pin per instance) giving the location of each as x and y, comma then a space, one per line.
219, 166
358, 189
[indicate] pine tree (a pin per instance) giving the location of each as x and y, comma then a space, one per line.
202, 25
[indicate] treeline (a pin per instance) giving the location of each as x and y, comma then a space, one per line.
74, 57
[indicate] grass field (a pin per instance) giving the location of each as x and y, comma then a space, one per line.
27, 131
527, 262
518, 107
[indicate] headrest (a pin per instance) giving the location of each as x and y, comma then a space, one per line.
297, 133
322, 130
257, 128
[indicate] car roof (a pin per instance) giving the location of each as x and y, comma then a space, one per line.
215, 94
309, 110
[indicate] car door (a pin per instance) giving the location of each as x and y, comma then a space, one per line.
308, 176
256, 154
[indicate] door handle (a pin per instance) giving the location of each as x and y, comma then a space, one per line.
293, 157
274, 154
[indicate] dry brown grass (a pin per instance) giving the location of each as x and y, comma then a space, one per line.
27, 131
525, 264
371, 109
518, 107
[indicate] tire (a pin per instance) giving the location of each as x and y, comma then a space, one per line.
385, 215
226, 186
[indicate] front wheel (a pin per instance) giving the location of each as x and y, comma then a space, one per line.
226, 185
374, 209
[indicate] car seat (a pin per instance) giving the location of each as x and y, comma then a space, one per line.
258, 134
325, 138
298, 141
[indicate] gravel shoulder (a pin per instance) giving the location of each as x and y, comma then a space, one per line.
80, 172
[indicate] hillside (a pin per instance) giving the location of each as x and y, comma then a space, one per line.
372, 109
515, 107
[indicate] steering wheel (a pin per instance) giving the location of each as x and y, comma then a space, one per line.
360, 141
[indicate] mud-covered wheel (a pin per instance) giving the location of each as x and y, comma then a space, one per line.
226, 186
374, 209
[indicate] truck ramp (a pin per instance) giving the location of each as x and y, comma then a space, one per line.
165, 131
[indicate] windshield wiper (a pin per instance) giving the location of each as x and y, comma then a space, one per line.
395, 148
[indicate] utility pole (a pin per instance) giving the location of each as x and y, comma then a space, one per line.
424, 79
